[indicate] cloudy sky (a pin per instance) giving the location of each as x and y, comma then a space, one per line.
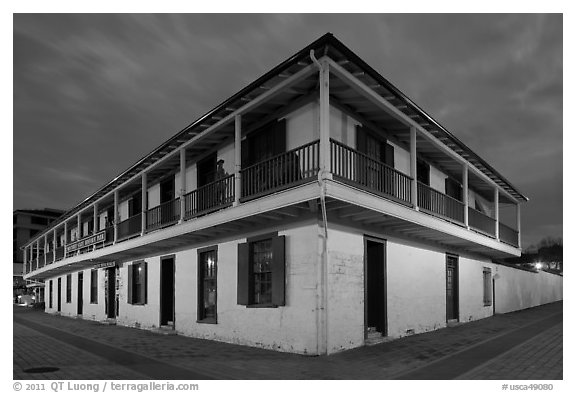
94, 93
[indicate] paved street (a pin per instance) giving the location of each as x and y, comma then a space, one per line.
521, 345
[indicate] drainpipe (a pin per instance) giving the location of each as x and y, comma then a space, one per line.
323, 274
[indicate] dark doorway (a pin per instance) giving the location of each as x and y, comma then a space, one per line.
167, 291
110, 301
59, 297
493, 296
80, 290
375, 286
451, 287
206, 171
167, 190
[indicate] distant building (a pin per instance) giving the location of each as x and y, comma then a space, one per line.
27, 224
316, 210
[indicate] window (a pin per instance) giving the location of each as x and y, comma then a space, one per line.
137, 283
94, 286
261, 271
68, 288
207, 289
453, 188
487, 275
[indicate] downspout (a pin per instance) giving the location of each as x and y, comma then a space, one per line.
323, 275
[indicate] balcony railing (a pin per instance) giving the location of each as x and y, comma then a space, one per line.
481, 222
49, 257
210, 197
59, 253
282, 171
163, 215
357, 168
439, 203
130, 227
508, 235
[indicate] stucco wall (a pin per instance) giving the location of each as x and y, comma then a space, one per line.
345, 290
471, 294
416, 280
518, 289
289, 328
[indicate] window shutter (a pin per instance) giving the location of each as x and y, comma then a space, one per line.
389, 155
280, 137
278, 271
245, 153
144, 295
360, 139
130, 283
243, 296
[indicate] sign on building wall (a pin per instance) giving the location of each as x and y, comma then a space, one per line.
86, 242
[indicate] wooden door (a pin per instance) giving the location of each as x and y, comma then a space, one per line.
451, 287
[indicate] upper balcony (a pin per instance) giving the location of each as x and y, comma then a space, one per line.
308, 128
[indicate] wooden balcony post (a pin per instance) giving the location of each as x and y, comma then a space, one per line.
45, 249
55, 244
465, 193
497, 213
79, 231
518, 225
25, 266
237, 158
37, 252
96, 224
65, 242
182, 184
144, 202
413, 173
115, 216
324, 118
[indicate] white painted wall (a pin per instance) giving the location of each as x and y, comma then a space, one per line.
518, 289
437, 179
401, 159
154, 196
345, 290
343, 127
416, 285
145, 315
123, 210
471, 295
302, 126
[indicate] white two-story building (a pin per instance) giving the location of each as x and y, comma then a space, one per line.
315, 210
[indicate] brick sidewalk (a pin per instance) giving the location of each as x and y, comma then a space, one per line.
227, 361
538, 358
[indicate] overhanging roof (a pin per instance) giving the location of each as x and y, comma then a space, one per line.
325, 45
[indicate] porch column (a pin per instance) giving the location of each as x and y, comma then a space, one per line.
37, 253
79, 231
96, 218
182, 184
115, 216
496, 213
413, 174
518, 225
144, 202
54, 244
324, 118
237, 158
465, 193
65, 242
45, 249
